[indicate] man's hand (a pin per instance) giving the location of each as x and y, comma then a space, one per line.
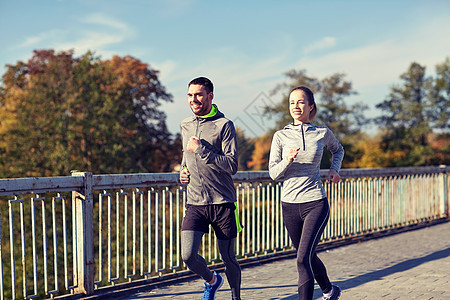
184, 176
292, 154
193, 144
333, 176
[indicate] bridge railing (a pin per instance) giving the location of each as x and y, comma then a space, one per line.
86, 233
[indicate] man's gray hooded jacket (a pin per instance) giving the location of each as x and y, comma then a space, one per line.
214, 161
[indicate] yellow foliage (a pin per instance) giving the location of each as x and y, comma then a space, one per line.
373, 156
260, 155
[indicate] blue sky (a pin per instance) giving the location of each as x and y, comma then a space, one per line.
244, 47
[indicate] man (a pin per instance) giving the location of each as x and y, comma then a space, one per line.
210, 157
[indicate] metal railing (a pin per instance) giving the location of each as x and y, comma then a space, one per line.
81, 233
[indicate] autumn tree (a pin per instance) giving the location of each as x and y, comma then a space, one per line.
260, 155
345, 120
369, 153
59, 113
410, 113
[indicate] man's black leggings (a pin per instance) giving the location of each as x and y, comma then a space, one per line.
191, 241
305, 223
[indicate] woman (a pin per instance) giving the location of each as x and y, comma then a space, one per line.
295, 158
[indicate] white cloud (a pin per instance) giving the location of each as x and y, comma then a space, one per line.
101, 19
96, 39
30, 41
91, 41
167, 70
114, 32
368, 65
42, 38
326, 42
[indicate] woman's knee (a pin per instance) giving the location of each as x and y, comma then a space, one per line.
303, 262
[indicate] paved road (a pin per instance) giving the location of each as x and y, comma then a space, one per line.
409, 265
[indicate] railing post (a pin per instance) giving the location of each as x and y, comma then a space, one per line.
445, 208
84, 234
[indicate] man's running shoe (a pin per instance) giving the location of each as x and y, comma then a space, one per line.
211, 289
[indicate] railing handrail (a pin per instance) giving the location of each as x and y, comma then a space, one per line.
39, 185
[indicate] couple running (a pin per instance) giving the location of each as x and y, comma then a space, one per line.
210, 158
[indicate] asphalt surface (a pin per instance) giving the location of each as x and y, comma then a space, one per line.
410, 265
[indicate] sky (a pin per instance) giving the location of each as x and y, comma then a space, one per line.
244, 47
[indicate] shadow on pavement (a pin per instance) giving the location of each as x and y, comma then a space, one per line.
379, 274
400, 267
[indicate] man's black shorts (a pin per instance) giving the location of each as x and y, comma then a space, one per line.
220, 216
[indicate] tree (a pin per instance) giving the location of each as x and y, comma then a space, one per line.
246, 146
441, 147
369, 154
410, 112
344, 120
260, 155
438, 93
59, 113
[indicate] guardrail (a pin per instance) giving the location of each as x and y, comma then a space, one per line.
83, 233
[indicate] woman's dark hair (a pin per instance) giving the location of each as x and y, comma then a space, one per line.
204, 82
311, 100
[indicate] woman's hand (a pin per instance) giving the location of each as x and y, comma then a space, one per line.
333, 176
292, 154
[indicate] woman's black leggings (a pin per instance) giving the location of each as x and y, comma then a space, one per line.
305, 223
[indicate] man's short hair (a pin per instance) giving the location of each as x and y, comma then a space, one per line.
203, 81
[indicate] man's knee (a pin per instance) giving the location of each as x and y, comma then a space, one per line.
229, 260
190, 241
226, 249
187, 255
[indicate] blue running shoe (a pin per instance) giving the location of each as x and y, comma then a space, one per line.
210, 290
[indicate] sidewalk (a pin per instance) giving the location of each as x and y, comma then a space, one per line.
409, 265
